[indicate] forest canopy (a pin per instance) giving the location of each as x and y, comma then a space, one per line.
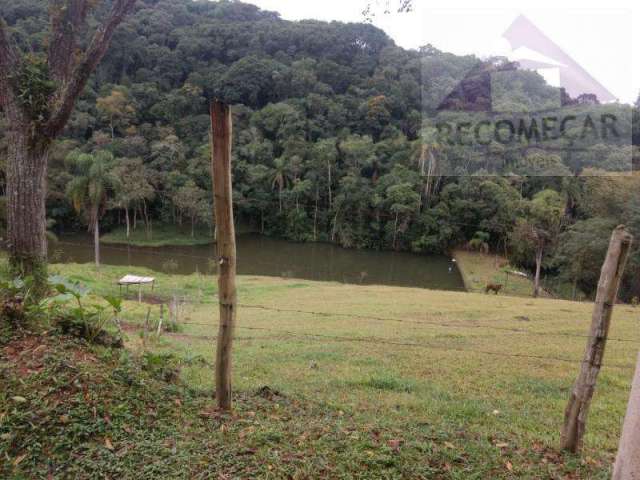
330, 143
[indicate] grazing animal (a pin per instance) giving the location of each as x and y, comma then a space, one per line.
491, 287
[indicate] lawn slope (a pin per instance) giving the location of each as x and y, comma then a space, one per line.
332, 381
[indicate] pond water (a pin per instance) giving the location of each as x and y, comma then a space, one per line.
259, 255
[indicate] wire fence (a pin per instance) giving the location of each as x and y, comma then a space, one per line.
275, 334
396, 343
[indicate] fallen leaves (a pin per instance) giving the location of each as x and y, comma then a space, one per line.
394, 444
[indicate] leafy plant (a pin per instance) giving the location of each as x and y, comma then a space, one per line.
34, 87
20, 302
91, 318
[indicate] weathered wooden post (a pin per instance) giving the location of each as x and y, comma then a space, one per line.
627, 465
575, 419
221, 137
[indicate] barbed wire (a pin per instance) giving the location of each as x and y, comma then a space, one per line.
389, 319
390, 342
418, 322
429, 322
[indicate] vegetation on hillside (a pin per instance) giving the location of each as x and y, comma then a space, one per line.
330, 143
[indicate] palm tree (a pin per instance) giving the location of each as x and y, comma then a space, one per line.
89, 190
281, 177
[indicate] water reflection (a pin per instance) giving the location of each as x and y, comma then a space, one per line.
259, 255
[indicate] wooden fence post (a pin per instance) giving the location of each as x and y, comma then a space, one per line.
221, 137
627, 465
575, 418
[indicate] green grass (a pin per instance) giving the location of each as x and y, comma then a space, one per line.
445, 409
479, 269
197, 287
161, 236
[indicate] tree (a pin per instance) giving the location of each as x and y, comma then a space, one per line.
325, 154
281, 178
581, 251
133, 187
539, 229
116, 108
89, 191
403, 201
193, 202
37, 95
401, 6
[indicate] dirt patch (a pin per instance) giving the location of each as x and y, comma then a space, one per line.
26, 354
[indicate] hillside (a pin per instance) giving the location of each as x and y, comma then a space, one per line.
333, 139
370, 382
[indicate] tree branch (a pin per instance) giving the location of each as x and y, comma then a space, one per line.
73, 87
67, 18
9, 62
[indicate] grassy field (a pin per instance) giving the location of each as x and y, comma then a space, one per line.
479, 269
396, 382
161, 235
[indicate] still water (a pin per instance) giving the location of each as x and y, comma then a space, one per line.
259, 255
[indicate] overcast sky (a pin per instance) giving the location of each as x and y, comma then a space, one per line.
597, 35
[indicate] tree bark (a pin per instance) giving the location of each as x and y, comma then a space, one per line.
30, 137
536, 282
329, 184
221, 136
26, 212
96, 241
395, 232
315, 217
146, 218
126, 217
627, 466
577, 410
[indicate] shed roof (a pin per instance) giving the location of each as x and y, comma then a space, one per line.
135, 280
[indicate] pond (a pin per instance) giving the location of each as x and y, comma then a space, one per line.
264, 256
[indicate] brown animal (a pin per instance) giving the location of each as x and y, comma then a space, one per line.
491, 287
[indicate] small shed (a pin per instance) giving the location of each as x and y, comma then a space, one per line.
129, 280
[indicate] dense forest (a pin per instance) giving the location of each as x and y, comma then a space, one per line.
329, 145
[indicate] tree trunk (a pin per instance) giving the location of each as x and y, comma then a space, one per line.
26, 212
315, 217
96, 241
395, 232
627, 465
329, 183
575, 417
536, 282
146, 218
221, 127
126, 217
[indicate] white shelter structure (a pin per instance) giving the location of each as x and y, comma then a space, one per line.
129, 280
